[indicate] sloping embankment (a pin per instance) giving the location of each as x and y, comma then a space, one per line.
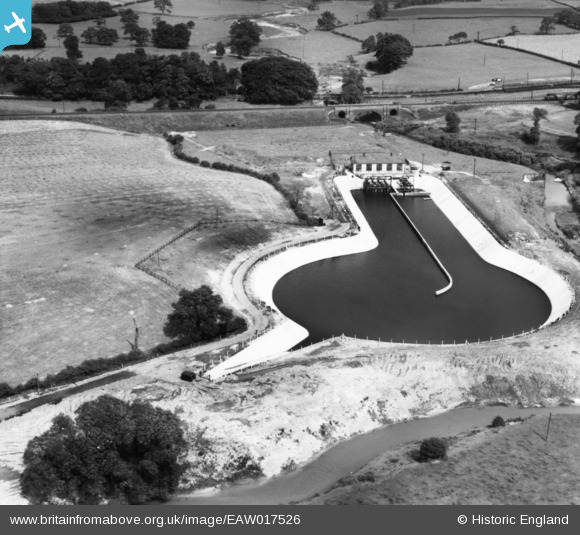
159, 122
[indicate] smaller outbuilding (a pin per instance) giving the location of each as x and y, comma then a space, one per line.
188, 375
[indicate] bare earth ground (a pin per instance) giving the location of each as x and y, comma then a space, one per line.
506, 465
88, 204
316, 397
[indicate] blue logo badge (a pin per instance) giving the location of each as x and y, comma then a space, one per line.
15, 19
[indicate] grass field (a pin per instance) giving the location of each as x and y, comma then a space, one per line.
504, 466
562, 47
442, 67
86, 206
430, 32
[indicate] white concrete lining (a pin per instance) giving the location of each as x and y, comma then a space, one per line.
553, 285
266, 274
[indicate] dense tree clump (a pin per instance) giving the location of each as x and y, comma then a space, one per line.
148, 77
113, 452
199, 315
327, 21
392, 50
165, 35
369, 45
379, 10
70, 11
452, 120
244, 35
352, 86
432, 449
100, 35
568, 17
278, 80
37, 40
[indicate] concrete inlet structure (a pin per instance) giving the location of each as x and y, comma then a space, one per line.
265, 275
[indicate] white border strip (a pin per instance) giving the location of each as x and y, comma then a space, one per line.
553, 285
266, 274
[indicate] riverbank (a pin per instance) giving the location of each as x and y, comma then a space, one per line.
523, 463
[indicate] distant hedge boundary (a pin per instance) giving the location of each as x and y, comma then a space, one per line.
551, 58
271, 178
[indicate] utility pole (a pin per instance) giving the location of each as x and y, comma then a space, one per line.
422, 161
475, 127
458, 83
473, 167
548, 430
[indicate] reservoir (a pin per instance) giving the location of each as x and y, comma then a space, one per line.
389, 293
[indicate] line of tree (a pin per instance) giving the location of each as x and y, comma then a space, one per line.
278, 80
391, 51
113, 452
457, 37
165, 35
71, 11
136, 76
568, 17
100, 35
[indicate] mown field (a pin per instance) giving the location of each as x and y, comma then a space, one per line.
562, 47
89, 203
504, 466
443, 67
430, 32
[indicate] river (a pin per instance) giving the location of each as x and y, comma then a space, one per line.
345, 457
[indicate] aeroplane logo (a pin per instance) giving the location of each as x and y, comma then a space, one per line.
15, 22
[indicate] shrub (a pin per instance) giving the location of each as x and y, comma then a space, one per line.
432, 449
210, 106
204, 163
498, 421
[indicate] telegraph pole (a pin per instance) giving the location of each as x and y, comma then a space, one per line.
473, 167
475, 127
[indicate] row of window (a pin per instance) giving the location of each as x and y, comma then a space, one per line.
378, 167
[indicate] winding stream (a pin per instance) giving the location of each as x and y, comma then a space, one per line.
352, 454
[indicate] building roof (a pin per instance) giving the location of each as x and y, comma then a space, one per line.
378, 157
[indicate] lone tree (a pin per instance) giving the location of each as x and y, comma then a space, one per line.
200, 315
352, 86
278, 80
391, 53
163, 6
114, 452
533, 136
547, 25
498, 421
379, 10
220, 49
432, 449
327, 21
453, 121
513, 30
244, 35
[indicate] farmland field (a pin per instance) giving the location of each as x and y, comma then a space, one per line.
441, 68
87, 205
563, 47
430, 32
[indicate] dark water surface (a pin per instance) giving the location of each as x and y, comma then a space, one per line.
389, 293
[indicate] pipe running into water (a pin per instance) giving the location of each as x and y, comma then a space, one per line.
427, 246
